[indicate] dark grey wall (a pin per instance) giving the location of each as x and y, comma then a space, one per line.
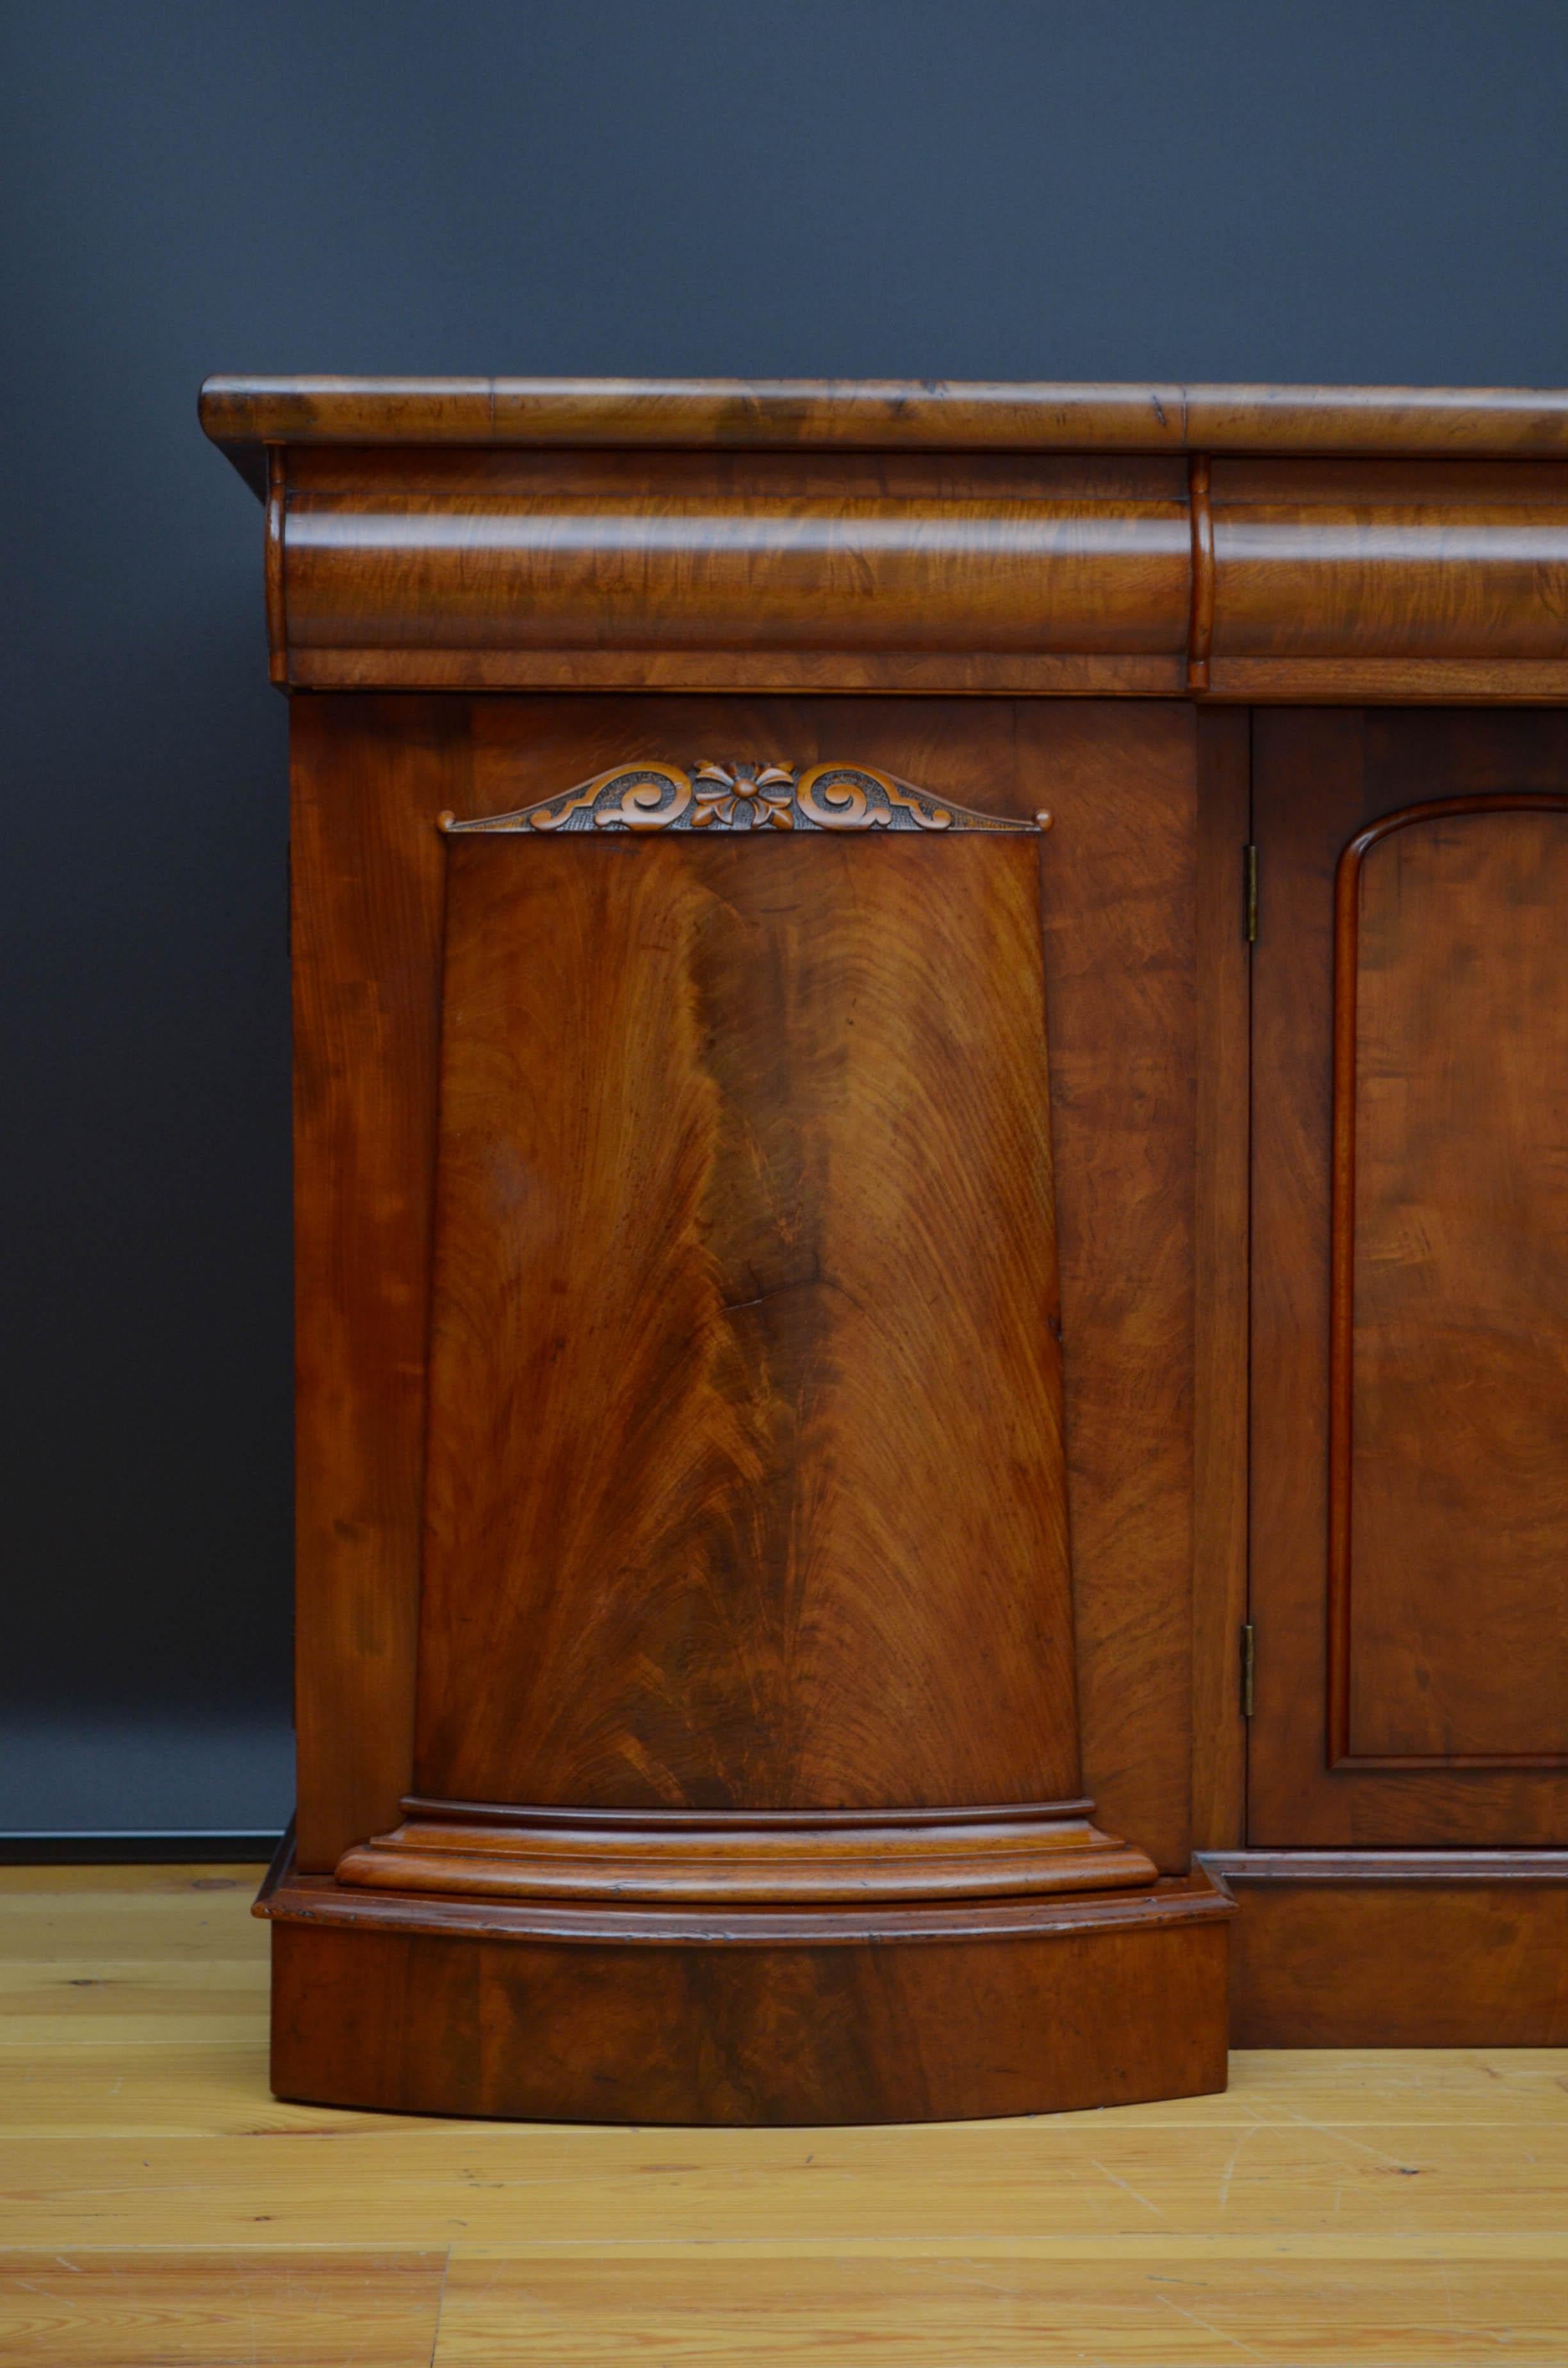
983, 188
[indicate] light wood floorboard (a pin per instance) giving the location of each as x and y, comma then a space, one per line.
157, 2205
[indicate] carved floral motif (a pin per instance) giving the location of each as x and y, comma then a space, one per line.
743, 797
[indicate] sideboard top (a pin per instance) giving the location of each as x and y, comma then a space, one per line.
1246, 543
244, 415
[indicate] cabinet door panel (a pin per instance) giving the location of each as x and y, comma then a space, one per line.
745, 1485
1449, 1357
1410, 1535
1117, 893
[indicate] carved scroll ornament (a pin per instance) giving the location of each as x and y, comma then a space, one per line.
742, 797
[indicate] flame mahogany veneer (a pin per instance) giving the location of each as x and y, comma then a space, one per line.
775, 1070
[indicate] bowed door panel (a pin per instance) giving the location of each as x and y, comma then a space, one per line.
746, 1571
746, 1366
1029, 996
745, 1485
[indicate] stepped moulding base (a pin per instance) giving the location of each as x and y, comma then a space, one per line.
782, 1858
603, 2012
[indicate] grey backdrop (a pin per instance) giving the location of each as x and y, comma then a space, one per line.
1004, 188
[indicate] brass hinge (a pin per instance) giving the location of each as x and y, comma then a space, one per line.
1249, 894
1249, 1664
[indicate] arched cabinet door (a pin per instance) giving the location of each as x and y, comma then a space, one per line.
1411, 1283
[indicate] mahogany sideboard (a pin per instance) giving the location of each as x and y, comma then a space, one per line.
932, 1223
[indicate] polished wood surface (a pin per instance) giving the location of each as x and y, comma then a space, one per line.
1220, 1279
1366, 2209
1383, 1948
1484, 1024
1121, 972
1370, 581
821, 1096
1436, 422
808, 1552
367, 879
529, 2009
745, 1485
676, 1920
1449, 1501
288, 2307
713, 571
1118, 957
1234, 544
990, 572
741, 795
730, 1860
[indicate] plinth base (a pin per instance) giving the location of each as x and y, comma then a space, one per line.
447, 2006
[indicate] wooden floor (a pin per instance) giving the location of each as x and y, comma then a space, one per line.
159, 2206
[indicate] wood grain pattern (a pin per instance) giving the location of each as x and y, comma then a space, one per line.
1180, 2305
730, 1860
1107, 2000
1449, 1343
1371, 579
997, 2309
804, 414
746, 1470
704, 1924
551, 536
535, 575
367, 884
1118, 957
550, 564
1221, 1282
1382, 2175
905, 1026
845, 1584
1118, 890
1418, 581
1320, 781
1387, 681
1055, 674
1374, 1958
292, 2307
1389, 2208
